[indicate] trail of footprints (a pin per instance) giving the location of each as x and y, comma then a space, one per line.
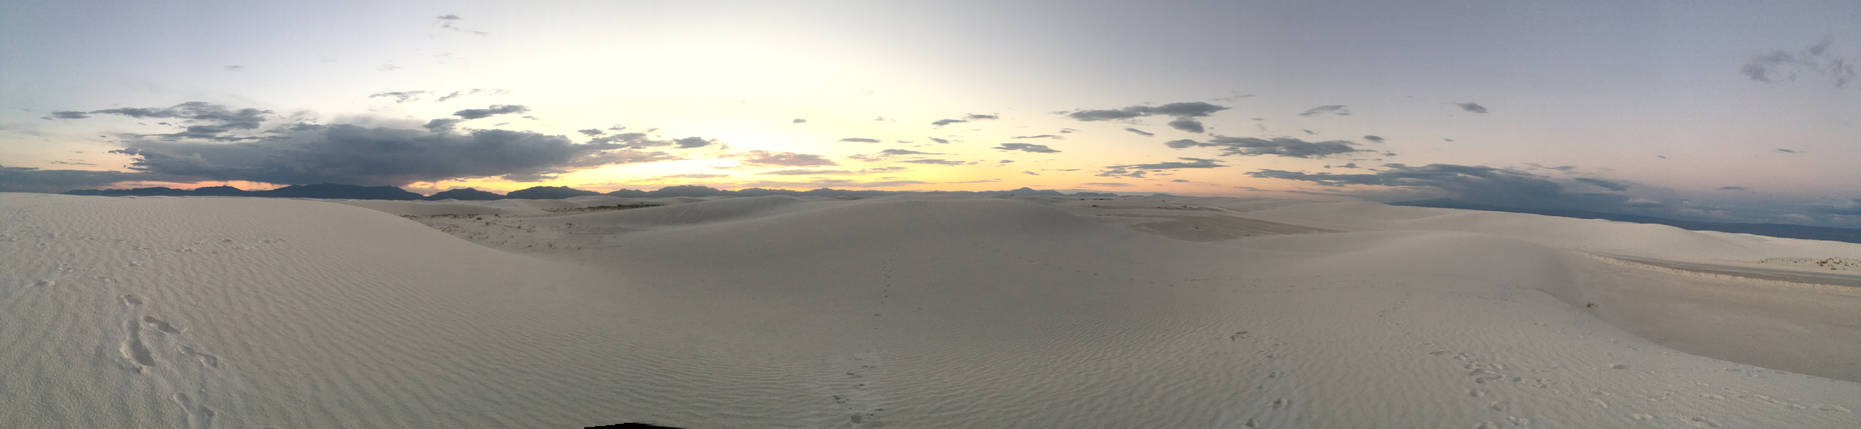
860, 404
141, 357
1278, 411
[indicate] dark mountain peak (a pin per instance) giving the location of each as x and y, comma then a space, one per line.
548, 193
466, 194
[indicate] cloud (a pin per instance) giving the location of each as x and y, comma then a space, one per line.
1605, 184
1139, 170
450, 22
804, 172
591, 132
234, 67
938, 140
798, 121
859, 140
1733, 188
1334, 109
1486, 186
1039, 136
496, 109
1850, 208
789, 159
1140, 132
1186, 124
1374, 138
1471, 107
895, 152
933, 161
942, 122
398, 96
376, 156
1786, 66
693, 142
1026, 147
693, 176
28, 179
1787, 150
979, 117
68, 114
1109, 184
1181, 111
473, 91
441, 125
199, 119
1280, 146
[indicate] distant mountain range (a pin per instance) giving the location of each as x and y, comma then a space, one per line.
1850, 235
356, 192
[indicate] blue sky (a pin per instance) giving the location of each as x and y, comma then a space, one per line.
1716, 111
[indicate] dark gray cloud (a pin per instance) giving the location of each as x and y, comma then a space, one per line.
942, 122
789, 159
1140, 170
1787, 150
1849, 208
1280, 146
1485, 186
441, 125
67, 114
641, 141
798, 121
980, 116
494, 110
28, 179
1605, 184
938, 140
1471, 107
398, 96
198, 119
1181, 111
1140, 132
1334, 109
693, 142
859, 140
376, 156
1787, 66
1186, 124
933, 161
1040, 136
1026, 147
591, 132
1374, 138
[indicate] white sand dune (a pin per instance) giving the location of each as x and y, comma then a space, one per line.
915, 311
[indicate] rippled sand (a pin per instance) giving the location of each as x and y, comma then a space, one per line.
917, 311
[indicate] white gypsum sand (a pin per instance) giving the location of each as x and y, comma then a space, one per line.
910, 311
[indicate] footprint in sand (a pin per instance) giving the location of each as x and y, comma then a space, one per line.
193, 415
209, 360
135, 350
161, 325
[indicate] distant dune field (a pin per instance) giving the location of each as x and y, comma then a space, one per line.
907, 311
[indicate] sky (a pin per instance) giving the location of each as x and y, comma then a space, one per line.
1721, 111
